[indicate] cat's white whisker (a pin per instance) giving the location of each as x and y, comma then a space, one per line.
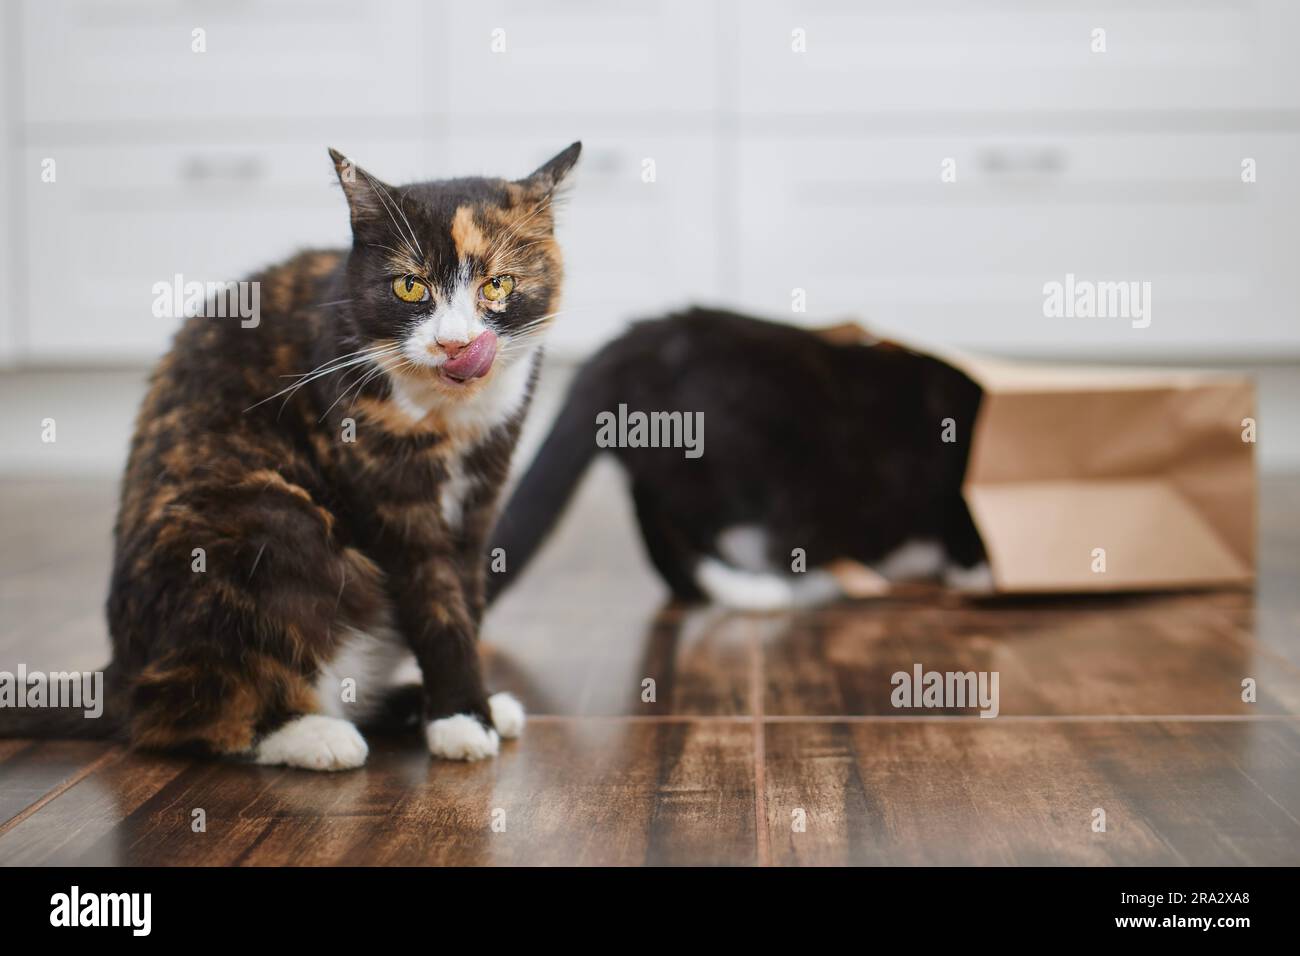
338, 359
526, 330
366, 376
329, 368
362, 385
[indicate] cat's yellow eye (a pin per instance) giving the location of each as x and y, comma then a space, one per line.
410, 289
497, 288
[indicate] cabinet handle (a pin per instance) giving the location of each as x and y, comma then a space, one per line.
1007, 161
200, 170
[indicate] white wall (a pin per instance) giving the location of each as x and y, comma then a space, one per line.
775, 170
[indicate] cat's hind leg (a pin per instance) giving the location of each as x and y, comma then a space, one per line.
259, 709
967, 567
233, 651
669, 551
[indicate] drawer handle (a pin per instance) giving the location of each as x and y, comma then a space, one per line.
1004, 161
208, 169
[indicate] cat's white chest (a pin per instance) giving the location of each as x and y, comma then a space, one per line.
455, 489
498, 402
470, 421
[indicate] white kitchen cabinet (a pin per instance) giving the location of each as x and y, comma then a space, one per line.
632, 248
581, 57
908, 55
866, 227
133, 61
121, 218
774, 169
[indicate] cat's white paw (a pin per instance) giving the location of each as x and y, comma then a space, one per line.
742, 590
507, 715
314, 742
461, 737
976, 580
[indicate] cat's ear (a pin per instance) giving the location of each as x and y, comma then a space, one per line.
544, 180
367, 196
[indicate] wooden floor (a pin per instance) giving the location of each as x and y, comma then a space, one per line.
1131, 705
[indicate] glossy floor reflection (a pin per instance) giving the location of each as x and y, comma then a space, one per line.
665, 735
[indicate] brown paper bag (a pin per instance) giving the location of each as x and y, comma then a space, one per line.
1108, 479
1098, 479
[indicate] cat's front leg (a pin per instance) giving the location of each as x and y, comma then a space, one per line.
460, 721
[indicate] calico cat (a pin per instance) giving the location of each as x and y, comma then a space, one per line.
286, 537
828, 442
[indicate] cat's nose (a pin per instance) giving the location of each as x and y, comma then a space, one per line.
451, 348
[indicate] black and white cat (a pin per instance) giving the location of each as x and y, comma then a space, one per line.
824, 450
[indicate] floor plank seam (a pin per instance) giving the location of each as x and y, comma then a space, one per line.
1032, 718
907, 718
761, 837
103, 760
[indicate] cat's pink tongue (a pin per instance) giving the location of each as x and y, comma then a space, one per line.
474, 360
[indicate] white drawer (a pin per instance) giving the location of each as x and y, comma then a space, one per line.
632, 249
96, 63
1000, 56
867, 228
565, 56
119, 219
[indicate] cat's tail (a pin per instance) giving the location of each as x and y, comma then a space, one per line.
88, 711
543, 492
